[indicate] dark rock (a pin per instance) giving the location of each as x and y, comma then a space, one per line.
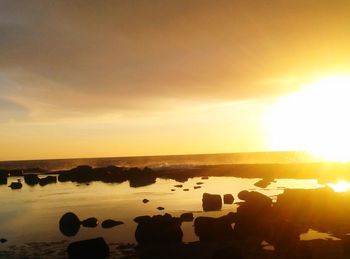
110, 223
211, 202
3, 240
145, 200
227, 252
197, 187
92, 248
158, 229
173, 190
205, 177
186, 190
15, 185
160, 208
215, 229
228, 198
187, 217
263, 183
140, 178
69, 224
199, 183
90, 222
3, 178
80, 174
47, 180
31, 179
178, 186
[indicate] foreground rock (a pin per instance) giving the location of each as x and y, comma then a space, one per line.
188, 217
69, 224
90, 222
91, 248
228, 199
158, 229
211, 202
215, 229
110, 223
31, 179
16, 185
47, 180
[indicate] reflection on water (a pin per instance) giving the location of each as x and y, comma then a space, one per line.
32, 213
340, 186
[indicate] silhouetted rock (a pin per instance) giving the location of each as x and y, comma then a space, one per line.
228, 198
199, 183
47, 180
158, 229
140, 178
228, 252
173, 190
31, 179
178, 185
160, 208
188, 216
80, 174
15, 185
90, 222
215, 229
69, 224
204, 177
3, 178
263, 183
186, 190
92, 248
211, 202
110, 223
197, 187
145, 200
3, 240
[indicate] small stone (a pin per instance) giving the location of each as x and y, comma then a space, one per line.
3, 240
228, 199
186, 190
145, 200
178, 186
199, 183
197, 187
160, 208
110, 223
90, 222
173, 190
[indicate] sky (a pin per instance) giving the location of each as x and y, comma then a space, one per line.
122, 78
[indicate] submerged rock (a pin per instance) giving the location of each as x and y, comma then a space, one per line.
215, 229
31, 179
145, 200
211, 202
228, 199
91, 248
158, 229
90, 222
15, 185
69, 224
110, 223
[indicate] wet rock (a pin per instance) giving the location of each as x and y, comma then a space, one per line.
199, 183
69, 224
3, 240
186, 190
160, 208
197, 187
255, 198
80, 174
145, 200
140, 178
211, 202
47, 180
263, 183
178, 185
110, 223
90, 222
31, 179
215, 229
91, 248
188, 217
158, 229
15, 185
228, 199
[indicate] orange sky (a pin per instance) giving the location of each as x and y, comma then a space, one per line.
115, 78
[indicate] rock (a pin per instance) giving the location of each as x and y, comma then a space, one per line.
178, 186
110, 223
204, 177
199, 183
15, 185
188, 217
158, 229
3, 240
69, 224
211, 202
80, 174
31, 179
140, 178
3, 178
90, 222
186, 190
255, 198
145, 200
263, 183
92, 248
228, 199
197, 187
215, 229
160, 208
173, 190
47, 180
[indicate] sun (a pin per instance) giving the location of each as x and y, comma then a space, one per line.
314, 119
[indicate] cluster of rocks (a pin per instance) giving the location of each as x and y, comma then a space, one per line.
69, 224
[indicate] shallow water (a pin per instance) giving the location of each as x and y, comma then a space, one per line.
31, 214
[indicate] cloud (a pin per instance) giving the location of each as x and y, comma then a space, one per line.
77, 57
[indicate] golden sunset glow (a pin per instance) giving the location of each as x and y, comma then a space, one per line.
341, 186
314, 119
